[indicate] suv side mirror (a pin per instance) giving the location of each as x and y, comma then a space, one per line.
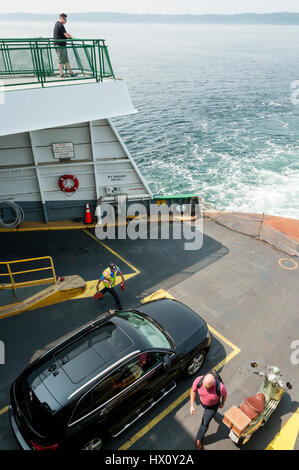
166, 362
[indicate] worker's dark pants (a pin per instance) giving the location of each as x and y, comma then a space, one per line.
112, 291
208, 414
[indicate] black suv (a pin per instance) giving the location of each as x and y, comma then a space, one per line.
101, 378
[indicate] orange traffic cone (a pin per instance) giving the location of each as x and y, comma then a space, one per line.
88, 218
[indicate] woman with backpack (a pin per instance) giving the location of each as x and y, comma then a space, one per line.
212, 395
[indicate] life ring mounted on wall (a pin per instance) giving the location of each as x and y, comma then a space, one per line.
68, 183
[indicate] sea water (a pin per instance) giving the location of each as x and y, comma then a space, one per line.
217, 114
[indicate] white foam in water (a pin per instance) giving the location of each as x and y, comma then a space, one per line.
272, 194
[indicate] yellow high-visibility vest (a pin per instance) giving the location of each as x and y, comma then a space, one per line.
110, 278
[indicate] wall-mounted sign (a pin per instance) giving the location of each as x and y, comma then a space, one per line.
63, 151
117, 178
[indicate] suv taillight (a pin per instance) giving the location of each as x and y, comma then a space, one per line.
39, 447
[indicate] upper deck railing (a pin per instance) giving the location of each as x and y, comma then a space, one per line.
26, 61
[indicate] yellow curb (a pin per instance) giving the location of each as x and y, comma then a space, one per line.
286, 438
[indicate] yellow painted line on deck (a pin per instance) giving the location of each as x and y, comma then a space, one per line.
4, 410
286, 438
235, 349
159, 295
112, 251
155, 421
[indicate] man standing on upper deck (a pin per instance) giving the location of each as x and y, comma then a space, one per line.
61, 50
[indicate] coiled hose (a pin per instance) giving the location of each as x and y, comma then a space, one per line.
18, 212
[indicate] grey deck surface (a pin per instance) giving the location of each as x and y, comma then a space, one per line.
234, 282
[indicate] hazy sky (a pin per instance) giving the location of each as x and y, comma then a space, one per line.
152, 6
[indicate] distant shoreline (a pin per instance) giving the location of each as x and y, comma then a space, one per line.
283, 18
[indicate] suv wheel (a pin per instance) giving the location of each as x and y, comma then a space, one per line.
94, 443
196, 363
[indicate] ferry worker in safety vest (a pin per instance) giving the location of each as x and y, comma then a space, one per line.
108, 278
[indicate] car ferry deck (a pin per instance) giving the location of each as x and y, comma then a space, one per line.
246, 290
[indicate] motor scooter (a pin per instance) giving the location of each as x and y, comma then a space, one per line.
255, 411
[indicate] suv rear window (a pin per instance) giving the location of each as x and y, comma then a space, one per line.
38, 414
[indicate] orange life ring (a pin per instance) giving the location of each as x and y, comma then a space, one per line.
67, 188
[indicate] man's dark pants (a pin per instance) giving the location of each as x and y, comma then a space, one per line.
112, 291
209, 413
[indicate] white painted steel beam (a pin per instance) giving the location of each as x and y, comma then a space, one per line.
39, 108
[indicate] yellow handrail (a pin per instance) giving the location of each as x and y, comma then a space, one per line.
14, 285
27, 271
